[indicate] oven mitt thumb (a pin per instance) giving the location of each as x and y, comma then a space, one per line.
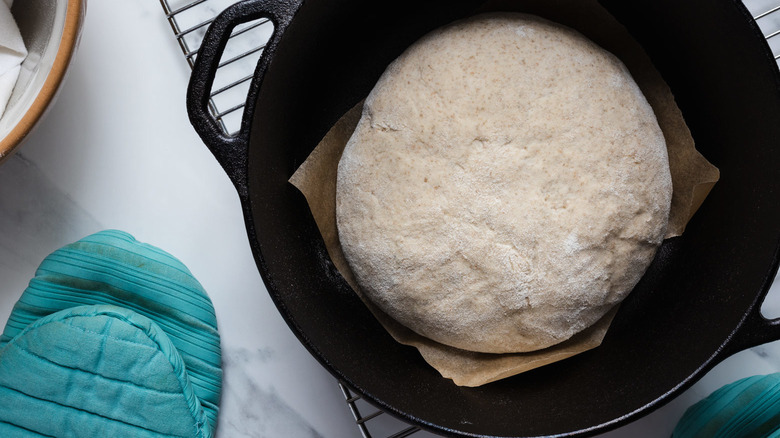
112, 268
96, 371
749, 407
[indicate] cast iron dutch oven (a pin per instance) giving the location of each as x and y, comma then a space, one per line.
697, 304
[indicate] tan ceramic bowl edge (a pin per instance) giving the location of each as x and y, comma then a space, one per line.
70, 37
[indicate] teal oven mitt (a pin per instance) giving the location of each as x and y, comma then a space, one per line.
747, 408
112, 268
96, 371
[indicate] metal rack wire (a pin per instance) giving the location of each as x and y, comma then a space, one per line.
767, 15
189, 20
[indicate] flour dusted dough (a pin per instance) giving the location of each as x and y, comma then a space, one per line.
506, 185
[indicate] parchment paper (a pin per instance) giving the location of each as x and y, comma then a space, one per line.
692, 178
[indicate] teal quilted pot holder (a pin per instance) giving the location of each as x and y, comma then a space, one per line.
97, 371
111, 268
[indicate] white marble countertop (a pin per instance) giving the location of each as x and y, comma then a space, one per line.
116, 151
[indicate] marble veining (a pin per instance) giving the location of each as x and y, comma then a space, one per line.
36, 217
258, 412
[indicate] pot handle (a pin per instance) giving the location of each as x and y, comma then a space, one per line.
755, 328
231, 151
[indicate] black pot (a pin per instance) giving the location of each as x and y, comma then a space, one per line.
698, 303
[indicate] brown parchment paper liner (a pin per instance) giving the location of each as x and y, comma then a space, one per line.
692, 178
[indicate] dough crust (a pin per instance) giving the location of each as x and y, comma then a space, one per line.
506, 186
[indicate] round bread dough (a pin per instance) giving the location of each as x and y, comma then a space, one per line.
506, 186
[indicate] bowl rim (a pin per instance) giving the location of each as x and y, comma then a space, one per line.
74, 17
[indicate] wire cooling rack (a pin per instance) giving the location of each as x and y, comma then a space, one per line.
189, 20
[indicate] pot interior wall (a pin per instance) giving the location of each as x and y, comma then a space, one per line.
670, 328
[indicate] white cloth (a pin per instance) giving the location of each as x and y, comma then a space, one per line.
12, 53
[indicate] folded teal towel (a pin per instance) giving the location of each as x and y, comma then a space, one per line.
96, 371
111, 267
747, 408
